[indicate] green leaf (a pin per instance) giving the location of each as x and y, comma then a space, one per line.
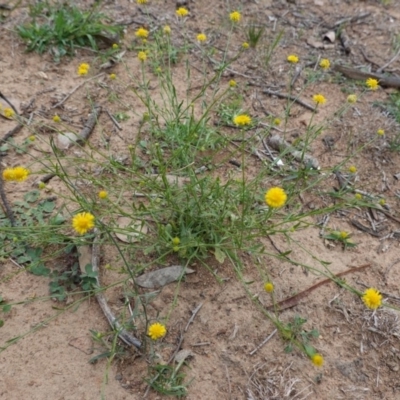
6, 308
219, 255
38, 269
32, 196
310, 351
48, 206
1, 323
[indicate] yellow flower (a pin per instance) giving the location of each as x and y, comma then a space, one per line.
113, 76
351, 98
275, 197
269, 287
176, 241
317, 360
142, 56
372, 298
83, 222
292, 58
235, 16
167, 29
83, 69
358, 196
245, 45
157, 331
232, 83
32, 138
242, 120
103, 194
276, 121
115, 46
182, 12
343, 235
20, 174
141, 1
372, 83
8, 112
324, 63
56, 118
201, 37
352, 169
380, 132
142, 33
319, 99
8, 174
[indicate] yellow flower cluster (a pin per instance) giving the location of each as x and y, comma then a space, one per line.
83, 222
275, 197
235, 16
372, 298
83, 69
182, 12
232, 83
293, 59
245, 45
242, 120
56, 118
17, 174
113, 76
142, 33
380, 132
157, 331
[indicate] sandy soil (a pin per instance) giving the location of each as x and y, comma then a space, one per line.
361, 350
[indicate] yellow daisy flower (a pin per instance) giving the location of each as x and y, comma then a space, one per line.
103, 194
319, 99
292, 58
235, 16
352, 169
201, 37
113, 76
232, 83
142, 33
20, 174
324, 63
380, 132
157, 331
269, 287
8, 112
56, 118
245, 45
372, 298
167, 29
8, 174
317, 360
242, 120
275, 197
372, 83
142, 56
83, 222
182, 12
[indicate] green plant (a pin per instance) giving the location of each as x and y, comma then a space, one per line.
254, 33
62, 27
167, 380
342, 237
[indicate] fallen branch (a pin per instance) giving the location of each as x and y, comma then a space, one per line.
353, 73
290, 97
123, 334
294, 300
279, 144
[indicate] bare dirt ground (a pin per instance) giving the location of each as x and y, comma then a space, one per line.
361, 350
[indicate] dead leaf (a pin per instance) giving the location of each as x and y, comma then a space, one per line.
136, 229
182, 355
219, 255
315, 43
330, 36
162, 277
85, 257
65, 140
